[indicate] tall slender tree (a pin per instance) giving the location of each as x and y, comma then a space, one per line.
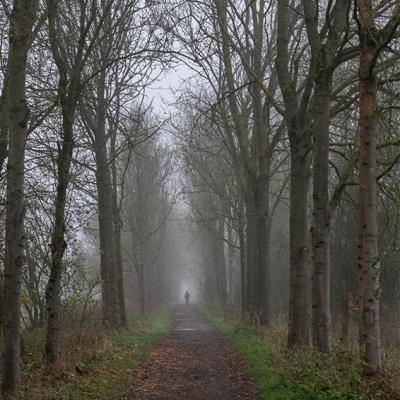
372, 42
298, 125
69, 90
22, 20
327, 49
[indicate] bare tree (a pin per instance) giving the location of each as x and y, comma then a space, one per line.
297, 120
89, 24
22, 20
327, 53
372, 41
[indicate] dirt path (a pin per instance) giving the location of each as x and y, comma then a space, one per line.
194, 362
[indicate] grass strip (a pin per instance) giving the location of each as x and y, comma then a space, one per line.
298, 375
109, 375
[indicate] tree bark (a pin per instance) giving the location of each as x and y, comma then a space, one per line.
244, 301
220, 263
231, 264
106, 231
299, 296
58, 243
108, 266
326, 46
322, 324
68, 91
251, 246
119, 267
4, 120
117, 238
369, 268
21, 25
372, 42
262, 283
298, 132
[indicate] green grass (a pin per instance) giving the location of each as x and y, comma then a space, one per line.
306, 375
109, 375
256, 355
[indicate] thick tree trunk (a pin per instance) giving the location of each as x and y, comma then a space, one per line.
21, 25
117, 238
369, 268
58, 244
322, 329
105, 212
106, 232
108, 214
262, 282
297, 124
119, 270
299, 304
251, 247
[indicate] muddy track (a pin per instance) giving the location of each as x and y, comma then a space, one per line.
194, 362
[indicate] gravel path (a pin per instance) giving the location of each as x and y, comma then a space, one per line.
195, 363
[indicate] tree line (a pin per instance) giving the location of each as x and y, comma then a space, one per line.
293, 132
287, 142
82, 163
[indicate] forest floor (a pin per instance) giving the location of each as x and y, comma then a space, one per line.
193, 362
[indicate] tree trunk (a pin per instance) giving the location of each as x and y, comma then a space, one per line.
119, 269
262, 283
4, 120
369, 268
117, 238
322, 324
345, 317
260, 163
141, 283
243, 261
106, 232
251, 246
21, 25
221, 264
297, 124
231, 265
58, 244
299, 304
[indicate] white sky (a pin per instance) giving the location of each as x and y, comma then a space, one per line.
162, 93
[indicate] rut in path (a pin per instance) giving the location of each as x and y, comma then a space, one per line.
193, 363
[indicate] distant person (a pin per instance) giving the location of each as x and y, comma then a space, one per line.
187, 297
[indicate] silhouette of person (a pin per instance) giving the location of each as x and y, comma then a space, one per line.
187, 297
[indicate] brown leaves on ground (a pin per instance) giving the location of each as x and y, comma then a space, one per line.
192, 363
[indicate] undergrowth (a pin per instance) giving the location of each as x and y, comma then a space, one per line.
280, 374
106, 374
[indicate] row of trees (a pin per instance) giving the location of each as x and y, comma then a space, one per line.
79, 143
299, 102
297, 108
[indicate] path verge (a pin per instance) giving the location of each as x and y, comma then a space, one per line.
280, 374
107, 376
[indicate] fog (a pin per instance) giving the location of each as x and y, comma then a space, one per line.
246, 152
